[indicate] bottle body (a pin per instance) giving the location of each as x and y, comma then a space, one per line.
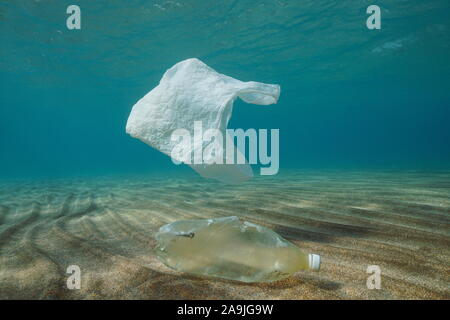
229, 248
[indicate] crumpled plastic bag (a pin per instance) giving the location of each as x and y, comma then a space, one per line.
191, 91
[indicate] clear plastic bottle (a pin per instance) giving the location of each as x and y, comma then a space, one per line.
232, 249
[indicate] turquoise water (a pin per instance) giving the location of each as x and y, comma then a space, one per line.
350, 97
364, 144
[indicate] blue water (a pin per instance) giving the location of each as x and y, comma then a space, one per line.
350, 97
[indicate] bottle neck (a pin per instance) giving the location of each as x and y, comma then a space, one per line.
314, 261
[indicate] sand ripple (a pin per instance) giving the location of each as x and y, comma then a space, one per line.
399, 221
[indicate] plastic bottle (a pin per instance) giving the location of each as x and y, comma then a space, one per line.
232, 249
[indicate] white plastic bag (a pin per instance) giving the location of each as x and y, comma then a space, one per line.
191, 91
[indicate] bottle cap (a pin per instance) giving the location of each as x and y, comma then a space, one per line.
314, 261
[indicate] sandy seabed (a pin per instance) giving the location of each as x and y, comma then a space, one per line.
399, 221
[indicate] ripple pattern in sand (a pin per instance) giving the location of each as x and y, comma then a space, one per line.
399, 221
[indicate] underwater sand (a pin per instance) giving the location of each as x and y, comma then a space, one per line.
399, 221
